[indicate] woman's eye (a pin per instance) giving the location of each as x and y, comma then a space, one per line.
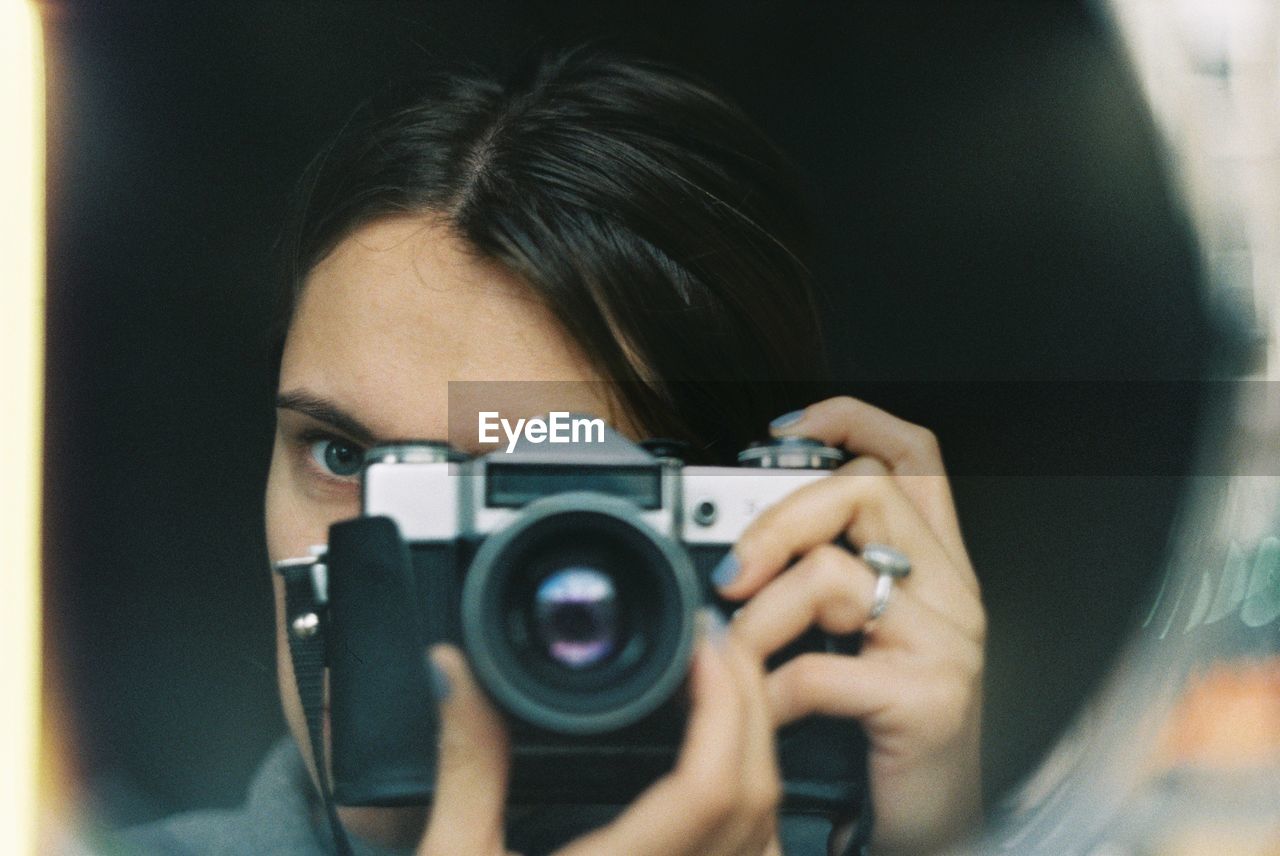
337, 457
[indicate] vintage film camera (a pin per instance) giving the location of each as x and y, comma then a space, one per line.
571, 576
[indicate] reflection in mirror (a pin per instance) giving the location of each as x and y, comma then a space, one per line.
1179, 752
988, 206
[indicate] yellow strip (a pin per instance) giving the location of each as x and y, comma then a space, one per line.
22, 390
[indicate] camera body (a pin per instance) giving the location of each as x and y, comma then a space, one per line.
571, 575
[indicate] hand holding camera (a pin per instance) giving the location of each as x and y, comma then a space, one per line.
574, 580
915, 686
720, 799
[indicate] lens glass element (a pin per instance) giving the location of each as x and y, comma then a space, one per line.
576, 616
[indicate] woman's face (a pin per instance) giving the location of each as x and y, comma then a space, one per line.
395, 313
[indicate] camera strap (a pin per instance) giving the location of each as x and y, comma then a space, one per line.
304, 627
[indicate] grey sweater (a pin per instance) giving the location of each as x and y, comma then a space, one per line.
281, 816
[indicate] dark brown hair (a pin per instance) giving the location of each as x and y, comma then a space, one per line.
654, 219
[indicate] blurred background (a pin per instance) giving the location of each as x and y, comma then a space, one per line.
993, 200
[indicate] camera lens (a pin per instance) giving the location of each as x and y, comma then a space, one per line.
575, 616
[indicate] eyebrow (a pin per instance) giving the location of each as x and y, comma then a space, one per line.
326, 411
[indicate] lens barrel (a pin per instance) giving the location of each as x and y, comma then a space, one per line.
578, 617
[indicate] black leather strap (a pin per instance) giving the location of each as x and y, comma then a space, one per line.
304, 626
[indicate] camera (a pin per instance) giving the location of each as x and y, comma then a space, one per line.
571, 575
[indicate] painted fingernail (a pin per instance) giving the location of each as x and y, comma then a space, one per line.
786, 420
726, 571
440, 685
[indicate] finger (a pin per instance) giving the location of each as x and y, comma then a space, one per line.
472, 765
910, 451
718, 716
862, 502
686, 808
861, 688
830, 588
923, 720
876, 690
760, 786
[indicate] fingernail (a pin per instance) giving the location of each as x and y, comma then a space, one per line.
726, 571
786, 420
713, 625
440, 686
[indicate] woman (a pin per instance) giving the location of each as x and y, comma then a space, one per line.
615, 226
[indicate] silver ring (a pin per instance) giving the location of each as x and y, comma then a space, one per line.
890, 564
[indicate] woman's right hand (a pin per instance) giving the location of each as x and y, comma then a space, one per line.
721, 799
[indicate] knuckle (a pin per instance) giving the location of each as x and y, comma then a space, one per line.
923, 442
978, 629
826, 572
871, 468
970, 664
828, 554
970, 620
842, 408
839, 403
871, 490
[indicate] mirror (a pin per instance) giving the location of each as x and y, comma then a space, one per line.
1010, 249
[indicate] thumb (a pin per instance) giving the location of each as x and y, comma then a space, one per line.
472, 764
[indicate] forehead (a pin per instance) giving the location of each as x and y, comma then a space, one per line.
400, 309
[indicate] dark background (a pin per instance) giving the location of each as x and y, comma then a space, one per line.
990, 202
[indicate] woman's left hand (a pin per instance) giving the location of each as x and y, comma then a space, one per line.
916, 686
